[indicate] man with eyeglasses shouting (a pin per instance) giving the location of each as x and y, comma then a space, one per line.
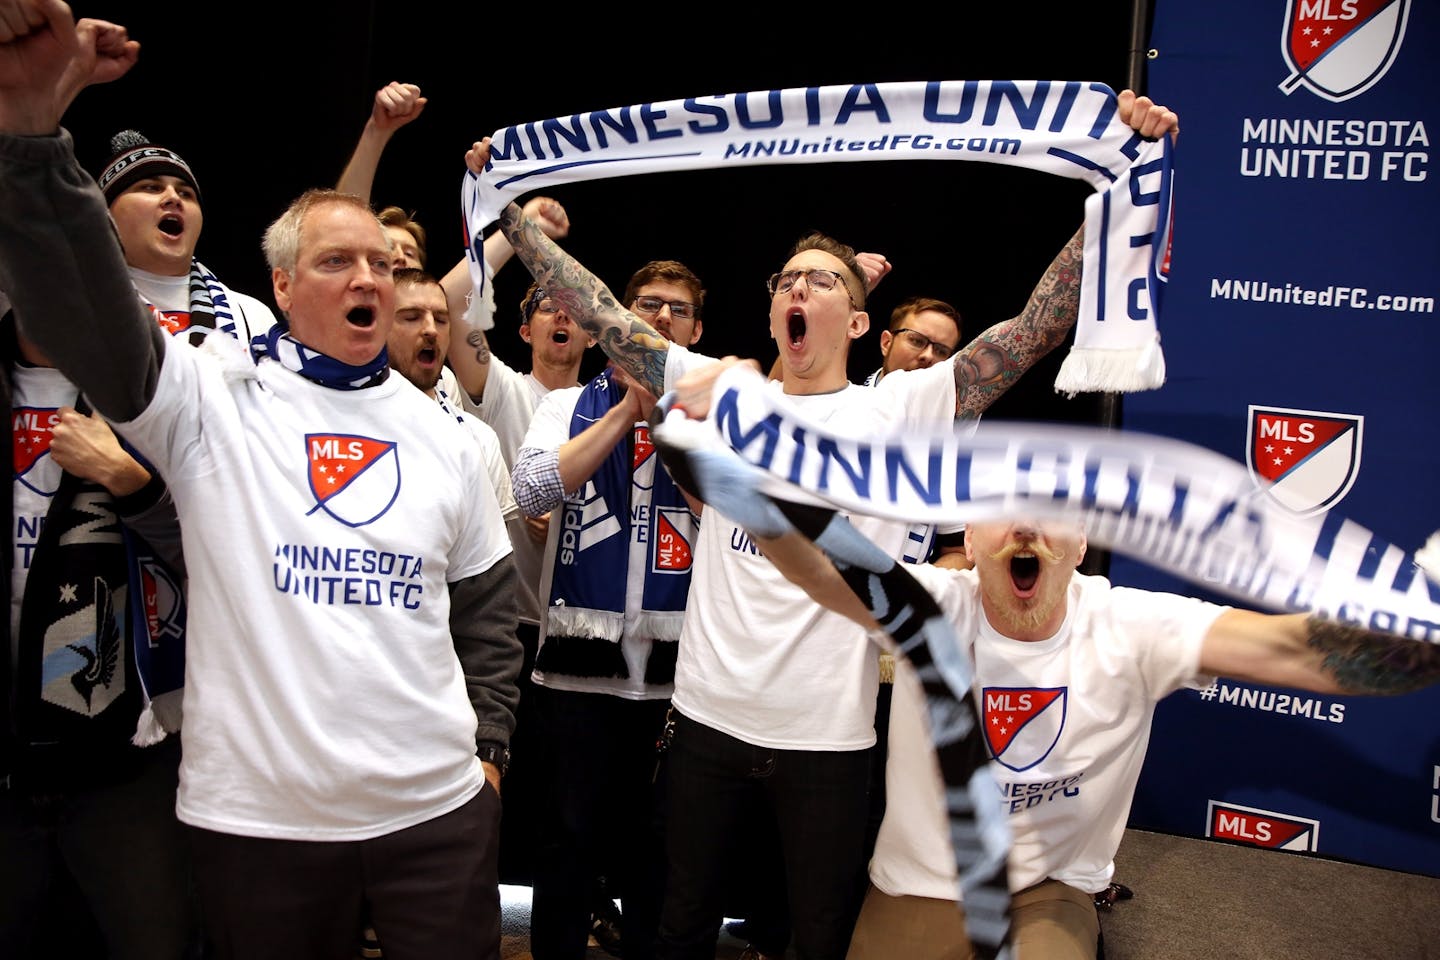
616, 574
774, 696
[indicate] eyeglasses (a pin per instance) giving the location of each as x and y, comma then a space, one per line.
679, 309
816, 278
918, 342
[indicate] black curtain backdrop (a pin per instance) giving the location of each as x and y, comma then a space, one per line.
267, 99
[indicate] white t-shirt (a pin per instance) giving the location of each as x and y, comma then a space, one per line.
548, 431
37, 395
489, 443
759, 660
507, 405
172, 296
1071, 717
323, 696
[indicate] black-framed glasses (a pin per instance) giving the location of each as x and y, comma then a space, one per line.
918, 342
816, 278
679, 309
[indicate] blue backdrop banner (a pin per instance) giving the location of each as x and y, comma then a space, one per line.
1300, 337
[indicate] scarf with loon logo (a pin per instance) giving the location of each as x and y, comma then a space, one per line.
1066, 128
594, 568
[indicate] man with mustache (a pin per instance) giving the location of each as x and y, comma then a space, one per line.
1067, 672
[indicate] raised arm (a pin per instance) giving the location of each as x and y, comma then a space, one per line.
632, 343
1310, 653
396, 104
59, 259
988, 365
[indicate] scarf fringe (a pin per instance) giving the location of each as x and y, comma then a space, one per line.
159, 719
1103, 370
661, 625
582, 622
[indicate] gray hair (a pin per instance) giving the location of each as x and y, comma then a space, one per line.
282, 238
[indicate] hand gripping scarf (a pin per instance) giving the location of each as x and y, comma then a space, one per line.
585, 619
1065, 128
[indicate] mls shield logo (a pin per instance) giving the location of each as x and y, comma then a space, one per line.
644, 448
1261, 828
30, 440
1338, 49
354, 479
674, 532
1023, 724
1307, 460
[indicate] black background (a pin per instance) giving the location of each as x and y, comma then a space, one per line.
267, 99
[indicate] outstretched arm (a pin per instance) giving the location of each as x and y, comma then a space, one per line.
633, 344
1311, 653
396, 104
988, 365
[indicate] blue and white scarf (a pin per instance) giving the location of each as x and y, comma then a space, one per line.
592, 570
279, 345
1065, 128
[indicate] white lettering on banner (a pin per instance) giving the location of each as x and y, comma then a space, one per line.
1305, 149
1435, 800
1181, 508
1344, 298
1269, 701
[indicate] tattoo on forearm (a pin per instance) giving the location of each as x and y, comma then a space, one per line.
625, 338
1371, 663
993, 361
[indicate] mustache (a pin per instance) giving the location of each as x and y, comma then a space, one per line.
1038, 547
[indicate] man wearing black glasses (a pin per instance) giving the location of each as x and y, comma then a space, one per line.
923, 331
616, 574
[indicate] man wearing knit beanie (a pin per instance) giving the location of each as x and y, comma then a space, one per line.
154, 200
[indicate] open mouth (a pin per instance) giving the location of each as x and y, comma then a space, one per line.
427, 355
171, 226
795, 327
560, 336
361, 317
1024, 571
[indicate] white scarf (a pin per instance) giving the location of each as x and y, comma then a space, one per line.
1181, 508
1065, 128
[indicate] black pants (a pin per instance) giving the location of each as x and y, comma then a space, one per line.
430, 891
820, 803
598, 816
124, 850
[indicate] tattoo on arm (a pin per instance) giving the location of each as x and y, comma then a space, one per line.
1365, 662
631, 342
478, 340
988, 365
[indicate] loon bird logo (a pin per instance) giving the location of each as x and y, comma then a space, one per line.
354, 479
81, 659
1306, 460
1338, 49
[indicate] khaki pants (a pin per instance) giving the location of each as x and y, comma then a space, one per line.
1050, 921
